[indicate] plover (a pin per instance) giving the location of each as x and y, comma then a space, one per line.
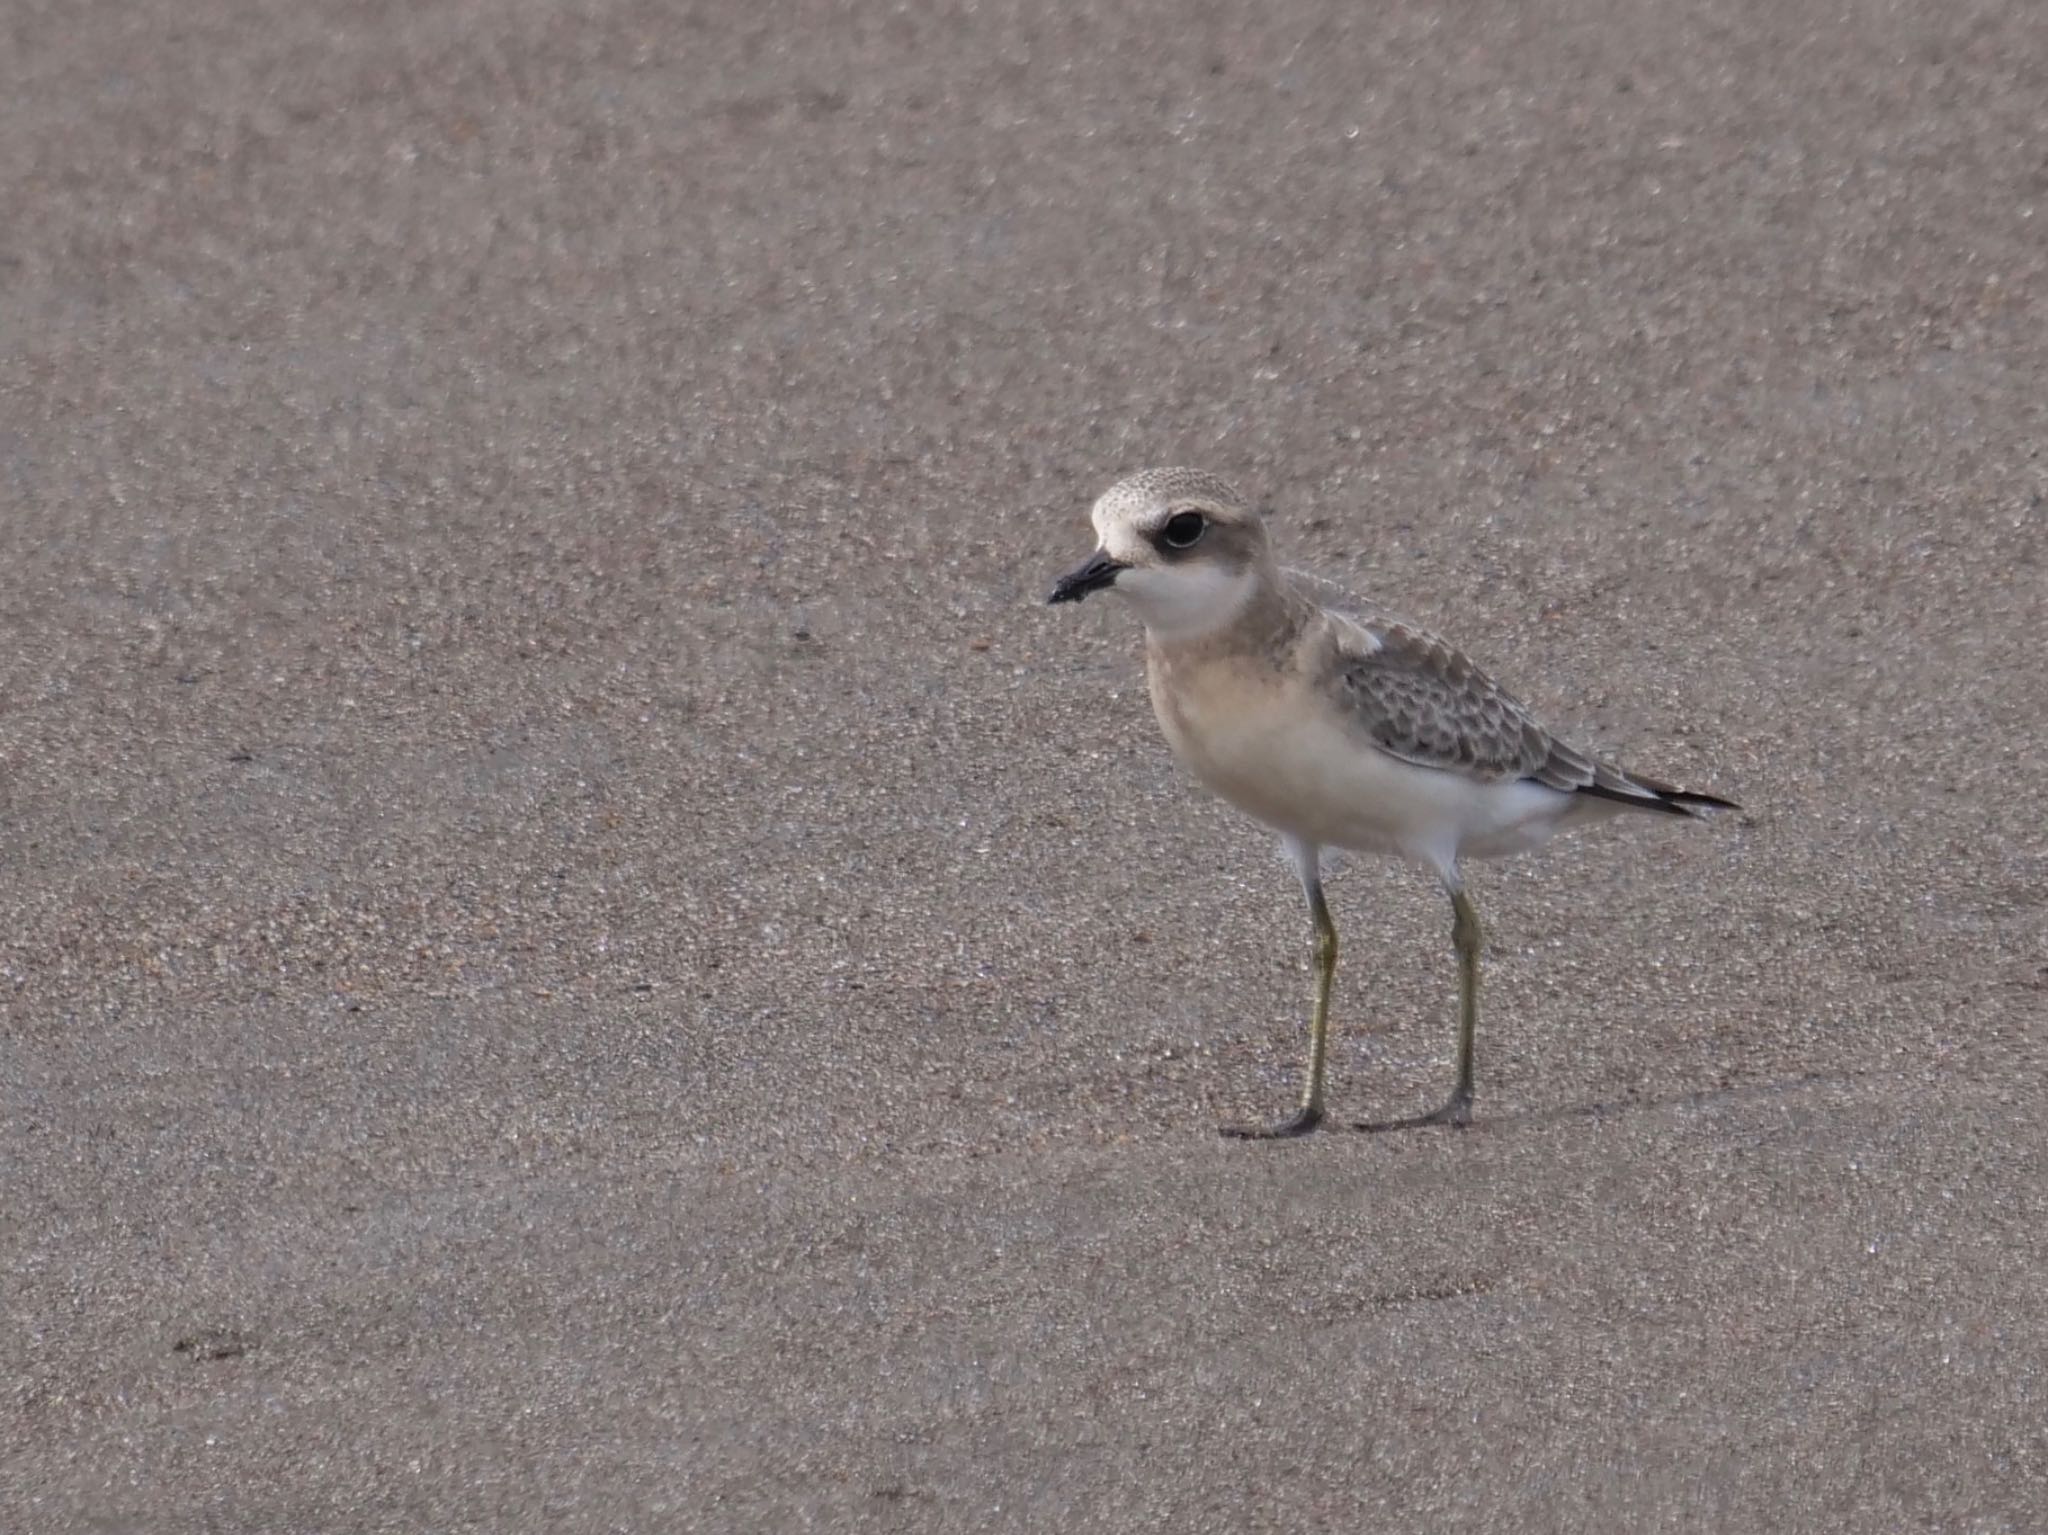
1337, 726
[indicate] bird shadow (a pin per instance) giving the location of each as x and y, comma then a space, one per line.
1611, 1108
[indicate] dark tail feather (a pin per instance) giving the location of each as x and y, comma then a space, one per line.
1689, 797
1669, 800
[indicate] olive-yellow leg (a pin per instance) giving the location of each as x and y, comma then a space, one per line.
1465, 937
1308, 861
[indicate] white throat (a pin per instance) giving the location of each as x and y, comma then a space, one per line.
1185, 602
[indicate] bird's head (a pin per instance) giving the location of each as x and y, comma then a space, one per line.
1180, 544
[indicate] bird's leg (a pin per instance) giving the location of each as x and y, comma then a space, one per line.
1310, 1114
1465, 936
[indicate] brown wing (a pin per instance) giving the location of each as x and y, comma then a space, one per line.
1421, 700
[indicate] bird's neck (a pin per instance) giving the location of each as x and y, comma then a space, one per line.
1262, 621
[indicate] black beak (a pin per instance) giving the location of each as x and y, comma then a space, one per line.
1099, 572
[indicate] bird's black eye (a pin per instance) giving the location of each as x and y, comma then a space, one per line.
1183, 530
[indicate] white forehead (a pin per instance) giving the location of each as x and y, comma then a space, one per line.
1142, 499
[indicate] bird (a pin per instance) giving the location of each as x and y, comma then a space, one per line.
1338, 726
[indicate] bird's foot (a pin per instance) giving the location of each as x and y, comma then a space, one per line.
1457, 1113
1299, 1123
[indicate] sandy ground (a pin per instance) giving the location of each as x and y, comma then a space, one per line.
578, 951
